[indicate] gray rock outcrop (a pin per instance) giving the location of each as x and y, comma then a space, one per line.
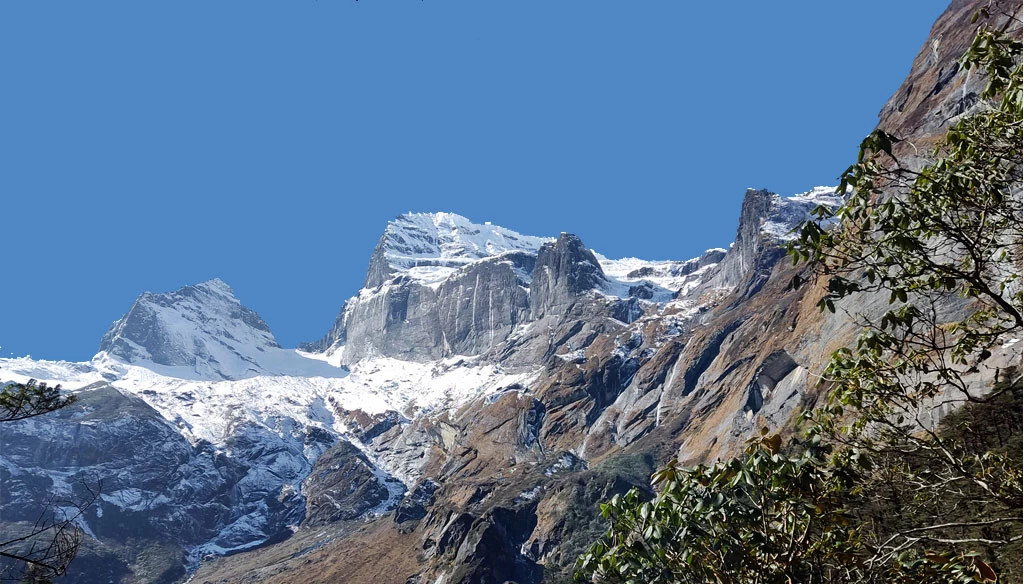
564, 270
152, 488
418, 307
342, 485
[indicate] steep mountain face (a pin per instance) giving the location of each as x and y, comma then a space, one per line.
936, 91
765, 220
465, 414
156, 494
438, 285
564, 270
198, 332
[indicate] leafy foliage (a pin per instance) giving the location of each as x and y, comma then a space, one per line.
878, 491
763, 517
944, 244
953, 226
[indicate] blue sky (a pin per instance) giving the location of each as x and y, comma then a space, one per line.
146, 146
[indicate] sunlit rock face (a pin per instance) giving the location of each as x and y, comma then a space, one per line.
438, 285
564, 270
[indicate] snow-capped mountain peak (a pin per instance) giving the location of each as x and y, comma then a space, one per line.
429, 247
216, 286
202, 332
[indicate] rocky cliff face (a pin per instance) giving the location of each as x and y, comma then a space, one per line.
156, 494
440, 285
565, 269
766, 219
936, 90
437, 285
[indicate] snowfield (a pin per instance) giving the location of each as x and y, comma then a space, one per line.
271, 417
430, 247
211, 409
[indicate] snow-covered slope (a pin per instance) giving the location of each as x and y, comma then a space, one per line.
429, 247
203, 332
657, 281
210, 410
788, 212
268, 429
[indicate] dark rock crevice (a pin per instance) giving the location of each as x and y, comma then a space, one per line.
712, 347
772, 370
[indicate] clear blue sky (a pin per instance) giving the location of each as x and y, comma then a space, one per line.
149, 145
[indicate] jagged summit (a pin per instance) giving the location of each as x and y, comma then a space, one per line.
215, 286
202, 331
565, 269
440, 285
429, 247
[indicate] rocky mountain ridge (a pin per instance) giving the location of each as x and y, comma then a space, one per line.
273, 438
463, 417
514, 476
428, 247
439, 285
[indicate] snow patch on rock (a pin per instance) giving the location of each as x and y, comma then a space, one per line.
430, 247
787, 213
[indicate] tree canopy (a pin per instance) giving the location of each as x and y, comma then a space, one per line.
878, 490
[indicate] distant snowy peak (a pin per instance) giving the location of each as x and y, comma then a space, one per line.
658, 281
201, 332
429, 247
788, 212
635, 269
